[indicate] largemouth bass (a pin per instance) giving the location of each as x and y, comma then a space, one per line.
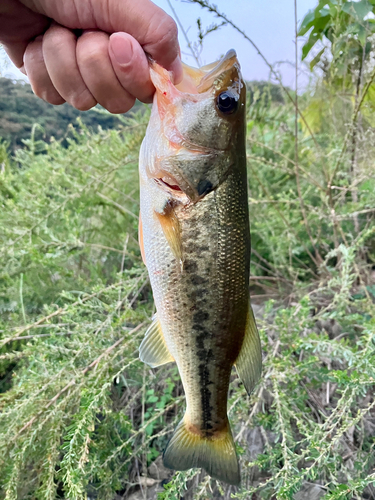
195, 242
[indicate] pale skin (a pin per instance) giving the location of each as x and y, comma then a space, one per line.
86, 52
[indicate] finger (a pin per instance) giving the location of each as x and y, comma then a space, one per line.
98, 74
59, 51
16, 52
155, 30
161, 42
36, 71
131, 66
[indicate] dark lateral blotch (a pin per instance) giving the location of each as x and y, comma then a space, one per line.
200, 316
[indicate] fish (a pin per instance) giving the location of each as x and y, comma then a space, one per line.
195, 242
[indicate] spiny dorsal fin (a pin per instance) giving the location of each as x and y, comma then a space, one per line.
153, 350
249, 361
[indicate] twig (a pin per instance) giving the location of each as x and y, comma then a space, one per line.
354, 214
138, 292
128, 196
181, 26
260, 394
117, 205
21, 299
269, 278
318, 257
278, 166
28, 337
58, 311
54, 210
51, 325
265, 190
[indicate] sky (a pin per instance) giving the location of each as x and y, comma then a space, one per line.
270, 24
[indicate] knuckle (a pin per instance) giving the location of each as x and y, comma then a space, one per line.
53, 98
163, 43
48, 94
119, 107
169, 32
91, 48
83, 101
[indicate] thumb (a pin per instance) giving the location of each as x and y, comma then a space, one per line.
153, 28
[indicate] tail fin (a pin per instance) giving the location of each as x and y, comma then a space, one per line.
217, 454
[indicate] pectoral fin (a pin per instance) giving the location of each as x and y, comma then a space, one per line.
153, 350
171, 230
249, 361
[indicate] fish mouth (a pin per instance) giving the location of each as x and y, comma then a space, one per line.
172, 186
219, 74
204, 78
169, 183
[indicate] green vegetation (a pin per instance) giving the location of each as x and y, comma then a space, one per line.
81, 416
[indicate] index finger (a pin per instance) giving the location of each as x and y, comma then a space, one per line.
153, 28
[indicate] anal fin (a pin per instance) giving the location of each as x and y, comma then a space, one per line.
153, 350
249, 360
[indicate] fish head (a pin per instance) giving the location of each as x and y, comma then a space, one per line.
196, 129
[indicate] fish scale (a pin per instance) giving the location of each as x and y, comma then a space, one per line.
196, 245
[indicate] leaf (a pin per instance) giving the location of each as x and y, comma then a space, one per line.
358, 9
310, 44
325, 11
317, 58
362, 35
307, 23
315, 18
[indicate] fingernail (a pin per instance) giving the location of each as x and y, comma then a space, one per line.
176, 69
121, 48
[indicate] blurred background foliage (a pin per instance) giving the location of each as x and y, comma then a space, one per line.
20, 109
80, 416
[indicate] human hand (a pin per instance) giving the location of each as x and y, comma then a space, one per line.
86, 52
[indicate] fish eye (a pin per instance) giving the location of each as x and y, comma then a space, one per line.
227, 103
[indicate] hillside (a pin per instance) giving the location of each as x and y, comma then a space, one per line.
20, 109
